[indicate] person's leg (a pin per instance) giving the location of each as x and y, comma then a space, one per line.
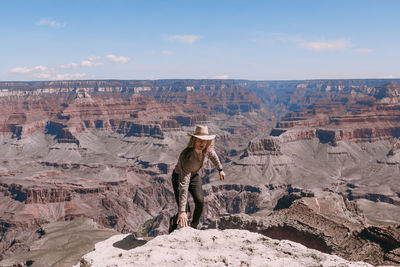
196, 191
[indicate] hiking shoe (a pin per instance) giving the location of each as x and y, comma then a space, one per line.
172, 224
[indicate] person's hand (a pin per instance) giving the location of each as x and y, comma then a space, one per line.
182, 219
221, 175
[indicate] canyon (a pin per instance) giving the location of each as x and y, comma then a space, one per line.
105, 150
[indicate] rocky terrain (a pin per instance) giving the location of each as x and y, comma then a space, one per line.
210, 247
60, 243
355, 138
188, 246
105, 150
326, 222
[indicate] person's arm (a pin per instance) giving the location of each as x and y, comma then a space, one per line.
212, 155
184, 180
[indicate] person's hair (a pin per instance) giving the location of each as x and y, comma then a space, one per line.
209, 146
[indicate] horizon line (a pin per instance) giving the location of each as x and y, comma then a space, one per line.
203, 79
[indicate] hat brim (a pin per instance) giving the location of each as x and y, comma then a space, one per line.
203, 137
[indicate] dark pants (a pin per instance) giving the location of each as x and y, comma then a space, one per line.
196, 191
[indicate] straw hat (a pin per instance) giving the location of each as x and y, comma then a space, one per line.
201, 132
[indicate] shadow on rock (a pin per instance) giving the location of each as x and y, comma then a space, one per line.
129, 242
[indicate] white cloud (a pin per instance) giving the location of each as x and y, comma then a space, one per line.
50, 22
334, 45
39, 68
90, 64
72, 65
27, 70
167, 52
222, 77
42, 72
121, 59
189, 39
91, 58
387, 77
20, 70
68, 76
218, 77
326, 46
363, 50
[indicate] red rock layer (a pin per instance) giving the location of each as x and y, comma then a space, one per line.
348, 118
140, 114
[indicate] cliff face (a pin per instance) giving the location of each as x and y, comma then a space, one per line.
353, 118
117, 204
147, 111
362, 117
327, 223
346, 147
21, 117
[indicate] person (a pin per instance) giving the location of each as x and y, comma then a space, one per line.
185, 176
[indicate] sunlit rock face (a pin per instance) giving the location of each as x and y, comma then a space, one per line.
128, 107
106, 150
187, 246
325, 221
346, 118
348, 144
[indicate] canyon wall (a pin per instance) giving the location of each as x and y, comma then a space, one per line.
106, 150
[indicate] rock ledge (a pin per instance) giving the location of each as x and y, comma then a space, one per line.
188, 246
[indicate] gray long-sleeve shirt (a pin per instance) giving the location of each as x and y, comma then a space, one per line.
189, 164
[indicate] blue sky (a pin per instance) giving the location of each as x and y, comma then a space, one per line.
257, 40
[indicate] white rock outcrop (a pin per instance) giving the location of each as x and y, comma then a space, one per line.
190, 247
